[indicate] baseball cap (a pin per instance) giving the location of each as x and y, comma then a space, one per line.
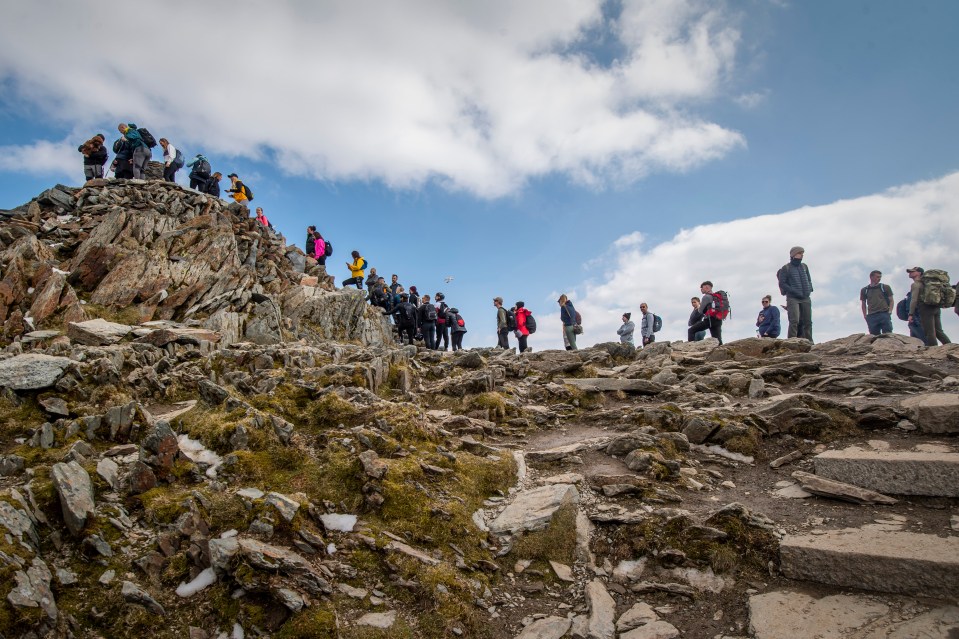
915, 268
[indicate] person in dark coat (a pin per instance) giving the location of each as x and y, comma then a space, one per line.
122, 159
767, 323
442, 324
94, 156
405, 317
796, 284
457, 327
426, 316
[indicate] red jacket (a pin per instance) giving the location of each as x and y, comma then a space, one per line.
521, 315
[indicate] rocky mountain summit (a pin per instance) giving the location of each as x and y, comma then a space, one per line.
199, 437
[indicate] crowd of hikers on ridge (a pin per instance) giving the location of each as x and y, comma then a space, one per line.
420, 317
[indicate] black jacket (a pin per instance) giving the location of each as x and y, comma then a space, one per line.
405, 314
421, 311
212, 187
96, 158
794, 280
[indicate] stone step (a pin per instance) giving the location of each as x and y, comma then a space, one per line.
890, 472
884, 561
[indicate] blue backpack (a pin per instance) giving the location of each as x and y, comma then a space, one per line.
178, 160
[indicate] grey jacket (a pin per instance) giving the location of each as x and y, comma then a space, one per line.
646, 329
625, 332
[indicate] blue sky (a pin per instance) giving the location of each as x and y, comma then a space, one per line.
520, 149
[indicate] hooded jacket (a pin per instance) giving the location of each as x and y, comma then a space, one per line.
521, 314
767, 323
625, 332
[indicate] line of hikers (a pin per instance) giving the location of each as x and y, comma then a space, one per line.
133, 150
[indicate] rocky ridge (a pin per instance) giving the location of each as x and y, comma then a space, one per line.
197, 439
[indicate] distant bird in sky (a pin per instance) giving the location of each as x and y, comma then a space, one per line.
449, 278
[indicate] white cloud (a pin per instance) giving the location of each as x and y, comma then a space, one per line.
43, 158
476, 97
751, 100
905, 226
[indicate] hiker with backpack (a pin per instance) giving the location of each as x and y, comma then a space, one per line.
212, 185
796, 284
457, 327
172, 160
647, 327
525, 325
94, 156
715, 308
356, 271
767, 322
426, 316
442, 325
404, 315
877, 304
200, 173
322, 248
568, 316
695, 317
931, 292
122, 165
626, 331
140, 145
242, 194
502, 323
262, 219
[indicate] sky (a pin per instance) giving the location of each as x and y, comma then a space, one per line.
617, 151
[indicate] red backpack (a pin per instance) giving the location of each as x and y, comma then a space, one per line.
720, 306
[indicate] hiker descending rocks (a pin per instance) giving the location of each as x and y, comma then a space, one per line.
212, 185
200, 173
648, 327
404, 315
715, 308
457, 327
625, 331
502, 323
426, 318
442, 325
172, 160
931, 292
262, 219
767, 322
525, 325
568, 316
94, 156
241, 192
877, 304
695, 317
122, 166
357, 266
796, 284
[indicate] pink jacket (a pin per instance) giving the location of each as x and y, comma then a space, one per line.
521, 315
319, 248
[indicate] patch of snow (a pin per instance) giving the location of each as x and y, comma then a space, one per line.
206, 578
229, 533
30, 291
198, 453
56, 270
331, 549
342, 523
722, 452
238, 631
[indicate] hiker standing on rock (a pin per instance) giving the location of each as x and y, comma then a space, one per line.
319, 248
405, 317
141, 152
767, 322
930, 315
241, 193
356, 271
123, 159
502, 323
695, 317
442, 325
567, 315
877, 304
172, 160
94, 156
200, 173
212, 185
522, 314
712, 316
457, 327
796, 284
626, 331
426, 315
647, 325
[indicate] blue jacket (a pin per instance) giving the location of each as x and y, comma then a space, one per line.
768, 322
567, 313
133, 137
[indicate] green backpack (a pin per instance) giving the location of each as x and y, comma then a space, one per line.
937, 289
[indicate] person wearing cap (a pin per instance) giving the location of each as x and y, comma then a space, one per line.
200, 172
625, 331
877, 303
502, 326
239, 190
930, 315
796, 284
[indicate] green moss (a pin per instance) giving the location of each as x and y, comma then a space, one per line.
492, 401
557, 542
129, 315
748, 444
310, 623
164, 504
17, 420
330, 411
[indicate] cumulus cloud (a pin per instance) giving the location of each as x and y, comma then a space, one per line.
474, 97
42, 158
905, 226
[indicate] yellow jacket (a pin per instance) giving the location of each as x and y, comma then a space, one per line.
356, 268
238, 193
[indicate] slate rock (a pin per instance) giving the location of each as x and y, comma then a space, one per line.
97, 332
32, 371
72, 484
11, 465
134, 594
547, 628
32, 589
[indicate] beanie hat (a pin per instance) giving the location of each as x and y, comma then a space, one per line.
627, 315
796, 250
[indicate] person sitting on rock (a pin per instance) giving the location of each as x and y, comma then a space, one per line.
404, 314
695, 317
261, 218
200, 173
356, 271
767, 323
94, 156
241, 193
212, 184
170, 163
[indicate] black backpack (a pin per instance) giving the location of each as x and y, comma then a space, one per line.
657, 323
147, 137
328, 249
211, 187
178, 159
409, 312
247, 192
902, 307
430, 313
530, 324
510, 320
202, 169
